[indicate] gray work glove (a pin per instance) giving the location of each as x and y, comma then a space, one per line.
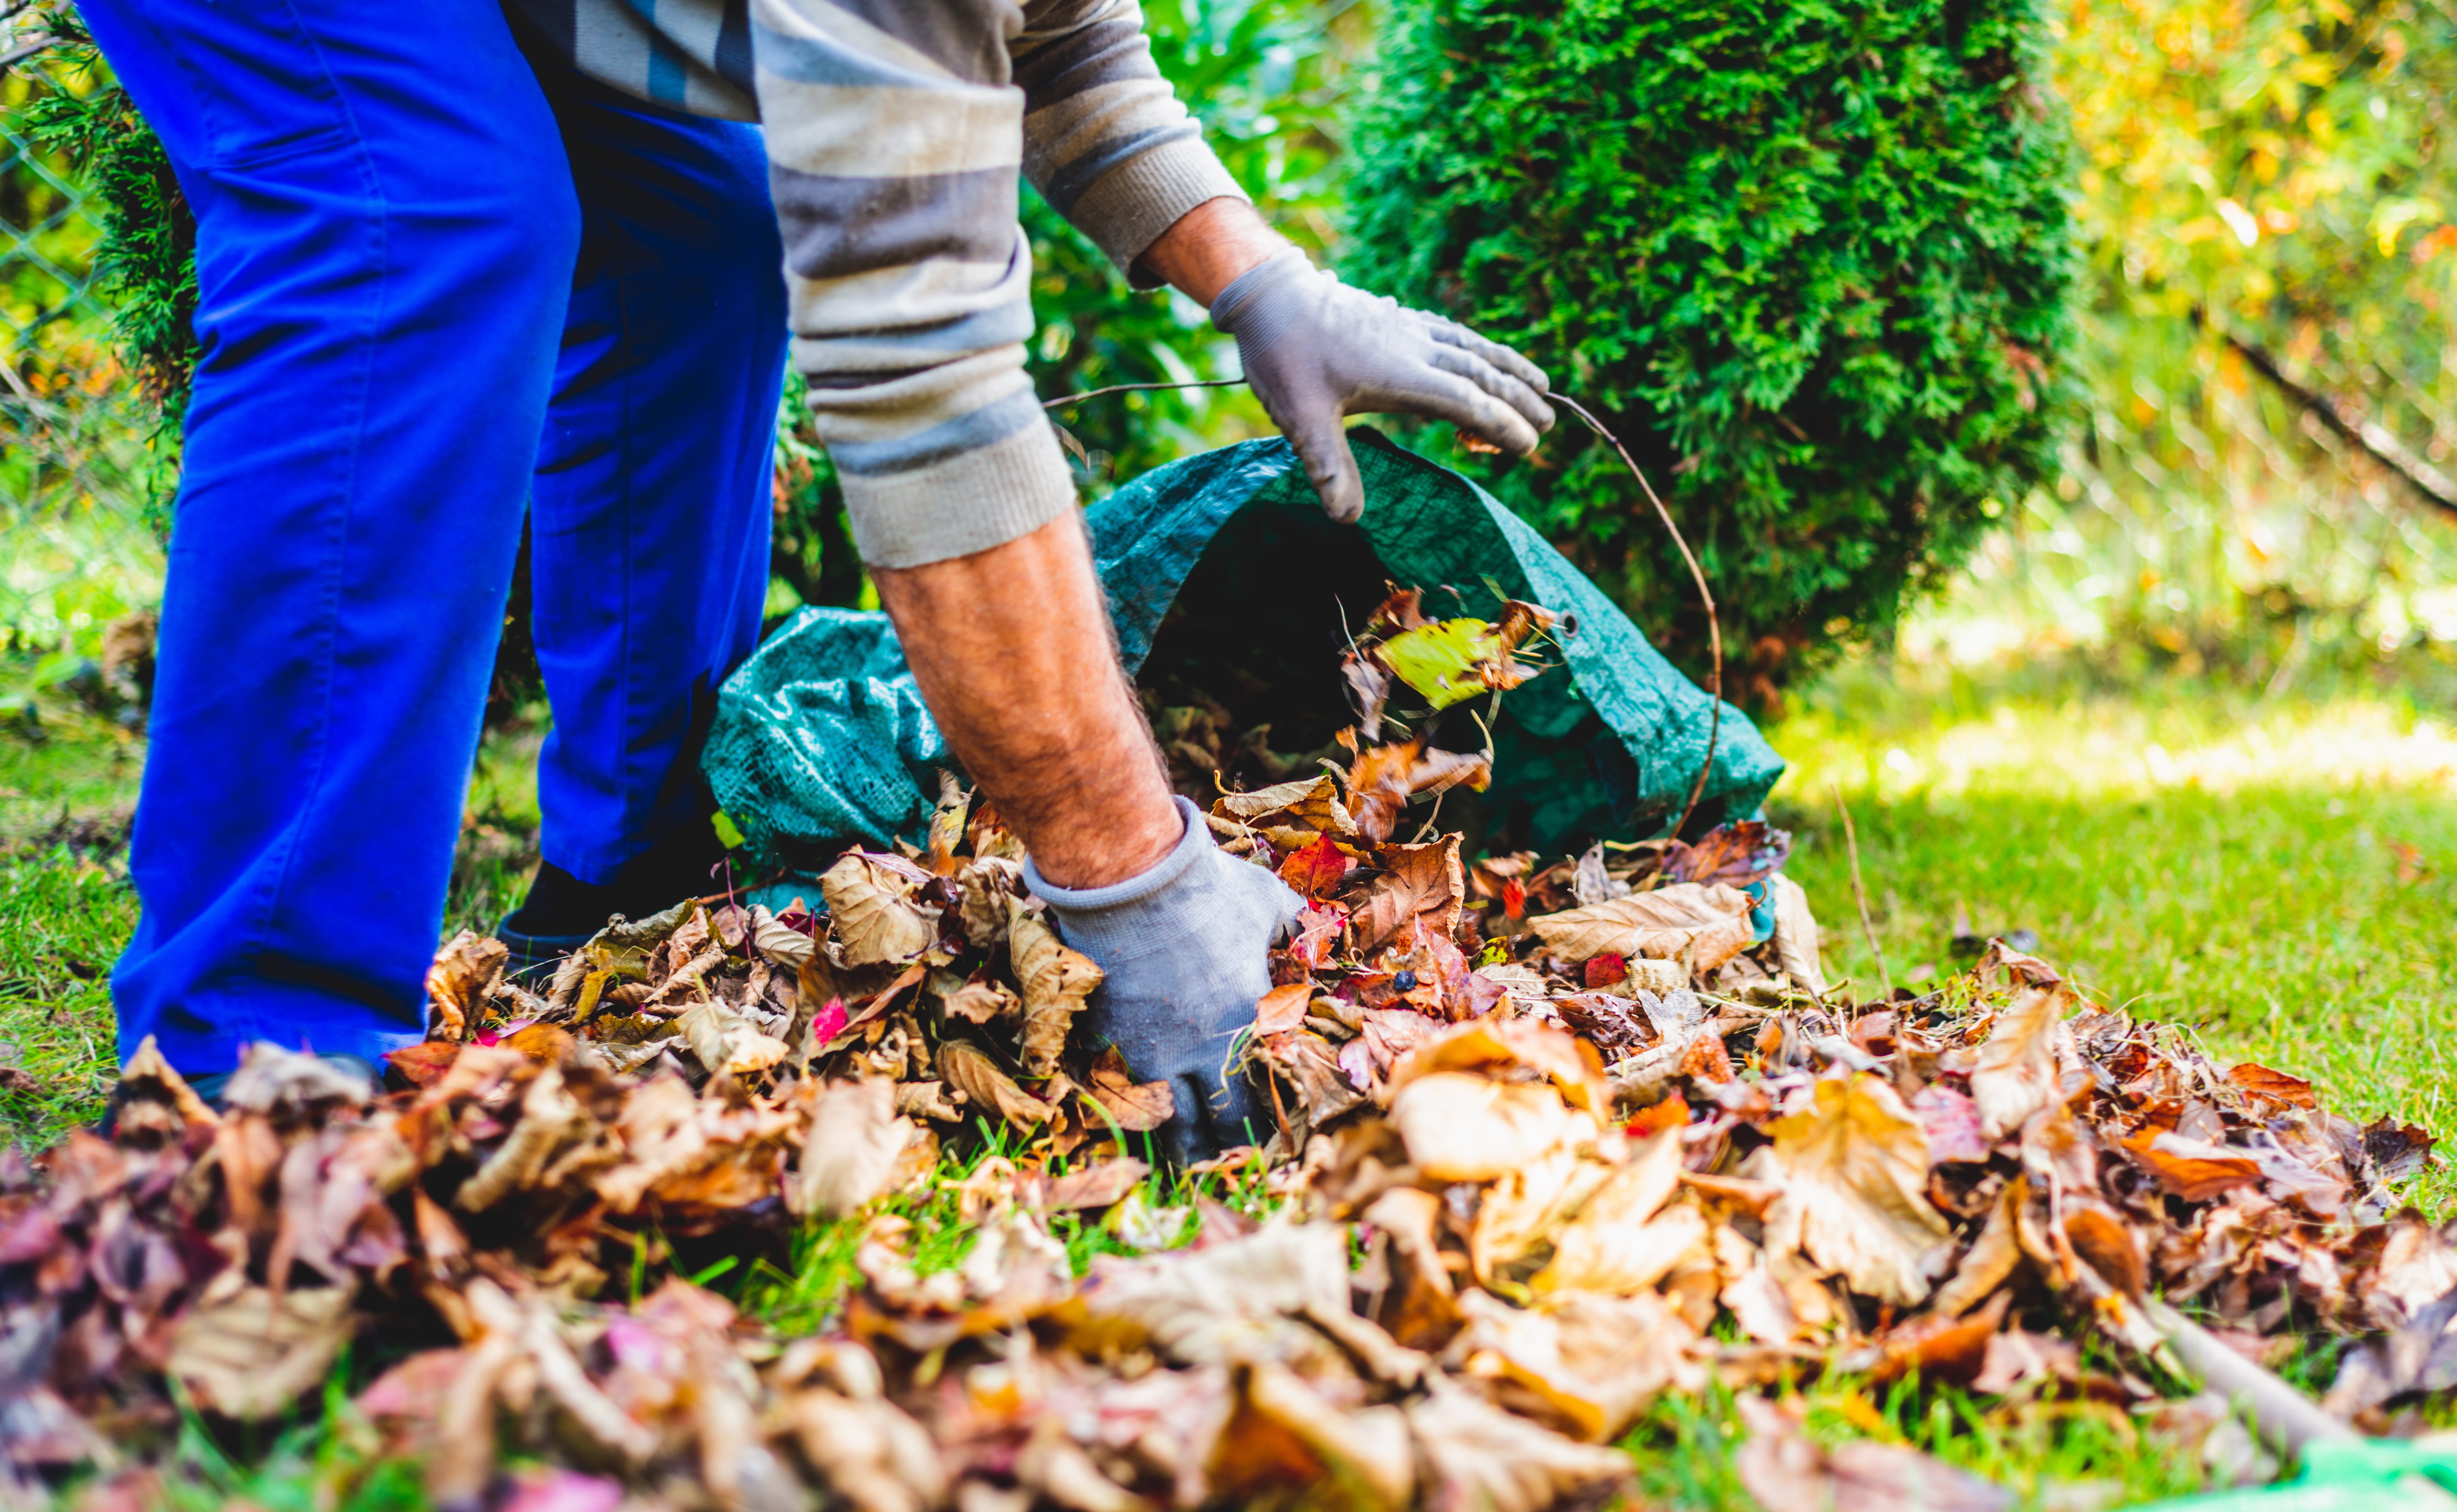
1185, 948
1317, 351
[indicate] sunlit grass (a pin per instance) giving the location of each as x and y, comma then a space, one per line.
2282, 879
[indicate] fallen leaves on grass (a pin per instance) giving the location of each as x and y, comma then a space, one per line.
1558, 1139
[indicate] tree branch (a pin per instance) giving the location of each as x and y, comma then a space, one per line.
2373, 438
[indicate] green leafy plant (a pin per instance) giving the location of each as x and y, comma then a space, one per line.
1811, 262
146, 257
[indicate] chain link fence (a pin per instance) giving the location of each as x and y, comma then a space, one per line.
77, 546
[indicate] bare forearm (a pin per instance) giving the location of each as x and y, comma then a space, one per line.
1012, 651
1210, 247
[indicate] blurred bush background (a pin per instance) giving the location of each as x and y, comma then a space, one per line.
2252, 481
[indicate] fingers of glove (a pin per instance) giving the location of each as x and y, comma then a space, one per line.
1496, 382
1451, 333
1321, 441
1446, 396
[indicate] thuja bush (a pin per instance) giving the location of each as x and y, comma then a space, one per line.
1809, 258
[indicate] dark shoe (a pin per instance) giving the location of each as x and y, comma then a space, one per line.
561, 913
534, 957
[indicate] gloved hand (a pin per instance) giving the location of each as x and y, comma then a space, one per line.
1317, 351
1185, 948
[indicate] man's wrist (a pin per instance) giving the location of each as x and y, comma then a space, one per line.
1210, 247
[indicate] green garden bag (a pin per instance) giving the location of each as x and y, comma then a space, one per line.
1223, 573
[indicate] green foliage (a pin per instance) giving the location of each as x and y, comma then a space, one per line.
1810, 260
146, 255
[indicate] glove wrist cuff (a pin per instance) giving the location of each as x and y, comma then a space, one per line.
1243, 297
1153, 880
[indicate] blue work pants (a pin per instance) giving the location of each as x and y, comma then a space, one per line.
437, 286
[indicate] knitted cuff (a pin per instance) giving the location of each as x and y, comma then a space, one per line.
1080, 902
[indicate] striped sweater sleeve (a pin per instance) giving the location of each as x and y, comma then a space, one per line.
1105, 141
895, 133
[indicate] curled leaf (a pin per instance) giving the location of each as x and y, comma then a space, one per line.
874, 917
1055, 980
1853, 1168
969, 1070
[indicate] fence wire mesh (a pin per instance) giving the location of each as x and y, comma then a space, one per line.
75, 546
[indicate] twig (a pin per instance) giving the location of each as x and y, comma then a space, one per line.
1125, 388
40, 42
1705, 597
1860, 894
2372, 437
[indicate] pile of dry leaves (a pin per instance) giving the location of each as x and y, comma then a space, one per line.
1550, 1141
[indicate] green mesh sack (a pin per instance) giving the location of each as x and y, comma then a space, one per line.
1223, 574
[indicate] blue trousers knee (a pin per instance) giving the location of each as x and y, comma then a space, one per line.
436, 288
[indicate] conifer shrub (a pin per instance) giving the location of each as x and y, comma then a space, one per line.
1809, 258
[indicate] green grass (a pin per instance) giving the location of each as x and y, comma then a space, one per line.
65, 910
2281, 878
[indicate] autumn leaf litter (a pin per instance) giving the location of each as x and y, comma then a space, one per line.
1549, 1141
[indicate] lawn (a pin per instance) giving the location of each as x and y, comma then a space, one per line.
2281, 878
2274, 876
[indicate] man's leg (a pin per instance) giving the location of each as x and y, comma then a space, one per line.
651, 521
385, 230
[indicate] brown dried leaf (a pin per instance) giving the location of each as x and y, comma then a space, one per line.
150, 1064
1322, 1091
1383, 779
725, 1043
1500, 1047
254, 1354
2016, 1070
1616, 1244
872, 915
1586, 1364
1097, 1185
1237, 1299
1460, 1126
1055, 980
1482, 1458
1710, 924
1420, 885
2194, 1169
1290, 814
969, 1070
1734, 855
849, 1149
456, 983
1134, 1107
1795, 936
1853, 1166
1283, 1009
2276, 1086
981, 1000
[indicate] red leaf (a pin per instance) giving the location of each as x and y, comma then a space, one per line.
1316, 867
1602, 971
1318, 930
829, 1022
423, 1063
1673, 1112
